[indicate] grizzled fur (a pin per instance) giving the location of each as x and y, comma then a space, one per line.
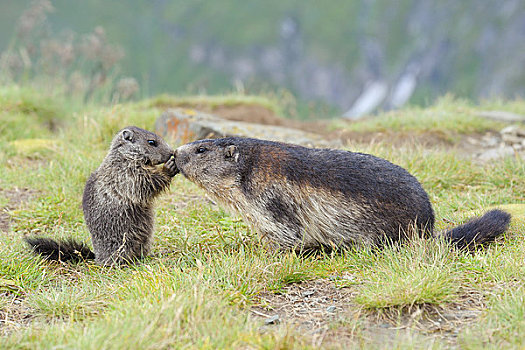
118, 201
306, 198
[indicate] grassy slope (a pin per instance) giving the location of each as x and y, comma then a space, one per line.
207, 267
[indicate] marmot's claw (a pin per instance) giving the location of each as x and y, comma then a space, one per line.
171, 167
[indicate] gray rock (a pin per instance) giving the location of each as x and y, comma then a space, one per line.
273, 320
308, 293
490, 141
496, 153
180, 126
514, 137
513, 133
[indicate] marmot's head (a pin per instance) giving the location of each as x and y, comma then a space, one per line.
211, 163
141, 146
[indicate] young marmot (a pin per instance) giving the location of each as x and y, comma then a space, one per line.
307, 198
118, 201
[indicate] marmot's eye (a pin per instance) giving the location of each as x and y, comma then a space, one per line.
152, 143
201, 149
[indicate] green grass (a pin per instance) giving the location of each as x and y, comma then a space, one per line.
208, 269
502, 325
420, 273
447, 118
212, 102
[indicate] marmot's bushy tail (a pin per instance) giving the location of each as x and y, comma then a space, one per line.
63, 250
479, 230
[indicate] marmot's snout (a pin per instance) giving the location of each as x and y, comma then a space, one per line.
181, 156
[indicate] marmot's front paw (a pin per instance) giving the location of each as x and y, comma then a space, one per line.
170, 167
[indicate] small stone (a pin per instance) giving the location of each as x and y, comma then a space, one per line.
490, 141
273, 320
330, 309
307, 293
512, 129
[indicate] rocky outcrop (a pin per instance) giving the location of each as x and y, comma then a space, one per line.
180, 126
509, 142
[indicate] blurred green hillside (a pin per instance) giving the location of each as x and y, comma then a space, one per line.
325, 52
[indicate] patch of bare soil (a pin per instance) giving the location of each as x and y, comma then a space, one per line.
325, 314
250, 113
15, 197
260, 115
310, 305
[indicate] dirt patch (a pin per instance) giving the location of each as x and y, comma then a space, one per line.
248, 113
309, 305
15, 197
253, 113
325, 313
260, 115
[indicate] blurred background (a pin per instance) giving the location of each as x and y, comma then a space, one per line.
333, 58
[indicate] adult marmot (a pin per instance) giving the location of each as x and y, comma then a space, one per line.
307, 198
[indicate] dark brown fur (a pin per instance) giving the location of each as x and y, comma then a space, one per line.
306, 198
118, 201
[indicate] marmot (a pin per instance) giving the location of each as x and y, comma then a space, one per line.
306, 198
118, 201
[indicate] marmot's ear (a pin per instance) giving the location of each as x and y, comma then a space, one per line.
231, 151
127, 135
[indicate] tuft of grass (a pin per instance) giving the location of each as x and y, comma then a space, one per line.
420, 272
67, 301
289, 269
